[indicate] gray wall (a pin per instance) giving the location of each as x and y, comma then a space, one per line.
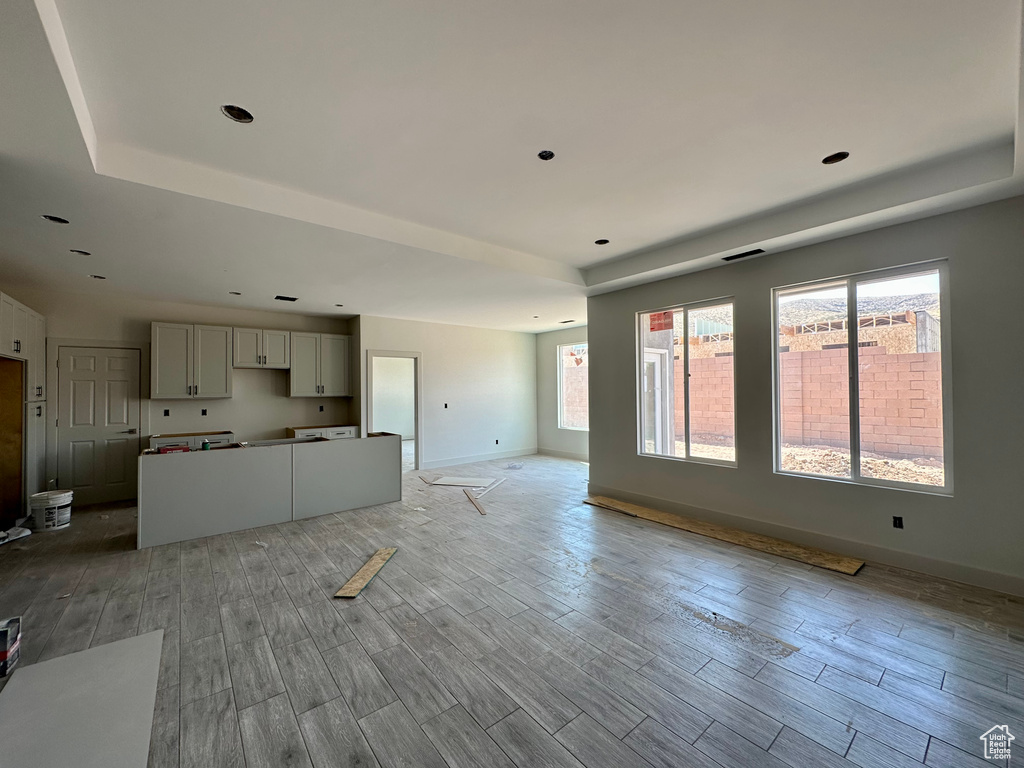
974, 536
567, 443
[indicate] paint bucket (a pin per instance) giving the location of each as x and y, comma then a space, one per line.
51, 510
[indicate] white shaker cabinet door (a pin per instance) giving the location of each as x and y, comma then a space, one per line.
212, 376
304, 376
276, 349
248, 348
334, 365
171, 361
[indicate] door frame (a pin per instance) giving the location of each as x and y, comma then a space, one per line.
53, 345
417, 375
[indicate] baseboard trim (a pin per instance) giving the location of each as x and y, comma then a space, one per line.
967, 574
473, 459
563, 454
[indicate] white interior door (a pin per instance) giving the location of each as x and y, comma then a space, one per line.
98, 423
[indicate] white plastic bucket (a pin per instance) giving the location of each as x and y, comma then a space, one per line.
51, 510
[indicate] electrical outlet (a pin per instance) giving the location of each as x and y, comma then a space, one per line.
167, 411
446, 406
897, 522
321, 409
204, 411
495, 442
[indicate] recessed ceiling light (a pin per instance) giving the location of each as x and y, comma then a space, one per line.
536, 317
566, 322
838, 157
236, 113
55, 219
545, 154
602, 241
80, 253
97, 277
235, 293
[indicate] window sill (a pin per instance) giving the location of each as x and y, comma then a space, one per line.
575, 429
927, 490
691, 460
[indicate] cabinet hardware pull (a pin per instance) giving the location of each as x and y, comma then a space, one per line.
190, 389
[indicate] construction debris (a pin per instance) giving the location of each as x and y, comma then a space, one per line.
469, 482
472, 498
365, 574
491, 487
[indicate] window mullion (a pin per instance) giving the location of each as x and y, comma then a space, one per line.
854, 378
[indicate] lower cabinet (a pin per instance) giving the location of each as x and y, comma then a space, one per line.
331, 433
193, 441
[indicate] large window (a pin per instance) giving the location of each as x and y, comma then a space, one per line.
573, 383
862, 380
686, 383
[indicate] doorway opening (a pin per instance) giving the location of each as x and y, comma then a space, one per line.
393, 384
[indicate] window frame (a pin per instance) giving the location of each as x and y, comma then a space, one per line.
561, 399
638, 358
853, 360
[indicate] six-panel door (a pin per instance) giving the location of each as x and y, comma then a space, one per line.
98, 423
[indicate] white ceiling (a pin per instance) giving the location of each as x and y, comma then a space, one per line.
392, 163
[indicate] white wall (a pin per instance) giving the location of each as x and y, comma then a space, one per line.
260, 407
394, 396
567, 443
487, 378
975, 535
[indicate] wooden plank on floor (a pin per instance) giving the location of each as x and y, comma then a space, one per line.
475, 503
363, 576
787, 549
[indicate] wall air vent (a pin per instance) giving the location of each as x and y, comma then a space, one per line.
745, 254
285, 298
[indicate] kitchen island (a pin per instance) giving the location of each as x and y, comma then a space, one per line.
230, 488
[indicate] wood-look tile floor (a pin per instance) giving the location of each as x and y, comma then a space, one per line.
546, 633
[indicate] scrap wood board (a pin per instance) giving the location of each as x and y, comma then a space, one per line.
365, 574
469, 482
787, 549
472, 498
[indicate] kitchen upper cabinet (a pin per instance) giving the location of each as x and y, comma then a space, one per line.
304, 378
190, 361
319, 365
334, 365
14, 328
257, 348
277, 349
36, 369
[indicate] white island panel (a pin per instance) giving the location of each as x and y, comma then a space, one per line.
189, 495
338, 475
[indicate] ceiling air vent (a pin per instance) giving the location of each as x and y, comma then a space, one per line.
745, 254
286, 298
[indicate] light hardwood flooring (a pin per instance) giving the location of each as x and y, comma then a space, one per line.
546, 633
